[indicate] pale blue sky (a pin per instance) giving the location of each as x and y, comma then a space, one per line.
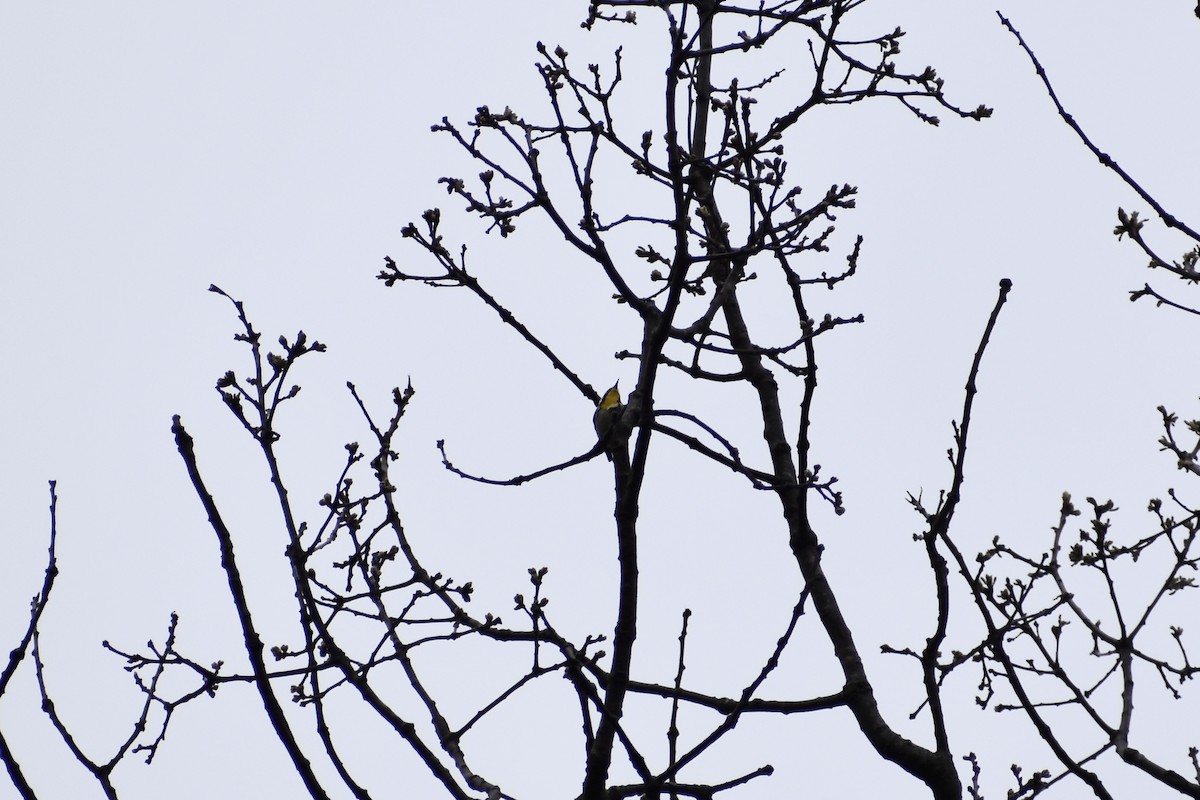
148, 150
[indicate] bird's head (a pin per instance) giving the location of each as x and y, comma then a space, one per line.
611, 399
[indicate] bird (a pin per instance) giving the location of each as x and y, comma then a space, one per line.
607, 412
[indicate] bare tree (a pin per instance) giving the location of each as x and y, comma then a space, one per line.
718, 214
1075, 632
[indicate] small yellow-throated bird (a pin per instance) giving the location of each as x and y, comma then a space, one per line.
606, 416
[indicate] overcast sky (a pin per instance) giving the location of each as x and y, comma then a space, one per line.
148, 150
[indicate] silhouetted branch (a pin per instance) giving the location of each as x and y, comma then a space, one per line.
37, 607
